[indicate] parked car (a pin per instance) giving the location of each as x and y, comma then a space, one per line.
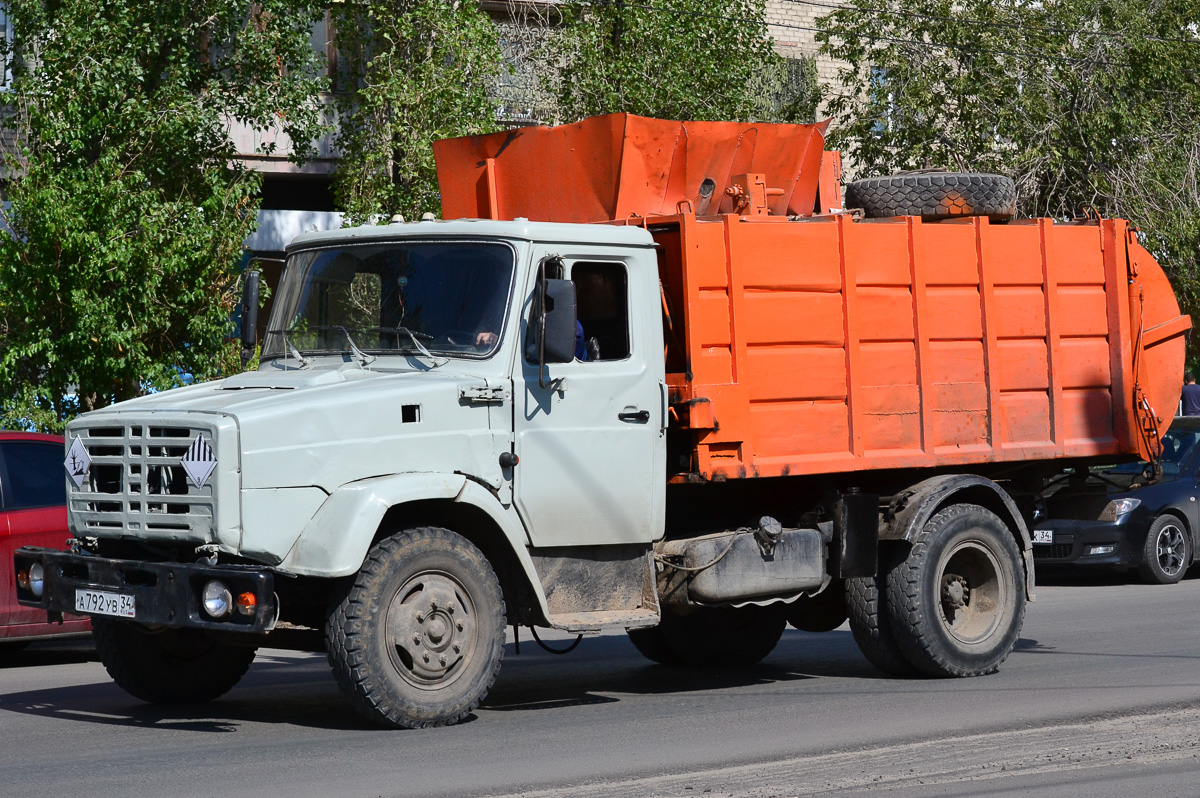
1120, 516
33, 512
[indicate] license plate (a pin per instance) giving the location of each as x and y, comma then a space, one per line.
100, 602
1043, 536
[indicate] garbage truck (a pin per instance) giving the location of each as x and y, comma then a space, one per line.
643, 375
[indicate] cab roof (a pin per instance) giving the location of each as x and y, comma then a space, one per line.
519, 229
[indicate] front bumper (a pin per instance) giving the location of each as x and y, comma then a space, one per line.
1075, 542
165, 594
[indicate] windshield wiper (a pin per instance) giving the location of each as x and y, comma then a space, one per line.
415, 336
362, 357
301, 359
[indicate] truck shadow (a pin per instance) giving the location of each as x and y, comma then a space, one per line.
608, 667
295, 689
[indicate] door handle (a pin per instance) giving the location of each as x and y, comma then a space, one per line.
639, 415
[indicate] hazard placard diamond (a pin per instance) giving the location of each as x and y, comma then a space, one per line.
78, 462
199, 461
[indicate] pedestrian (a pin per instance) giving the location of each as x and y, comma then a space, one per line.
1191, 395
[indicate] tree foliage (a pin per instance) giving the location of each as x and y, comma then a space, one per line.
675, 59
128, 212
1086, 103
410, 72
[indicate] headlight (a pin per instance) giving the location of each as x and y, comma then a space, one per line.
1118, 508
216, 599
37, 582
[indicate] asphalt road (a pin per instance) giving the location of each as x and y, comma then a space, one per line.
1101, 698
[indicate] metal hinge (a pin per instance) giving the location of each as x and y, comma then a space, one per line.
485, 393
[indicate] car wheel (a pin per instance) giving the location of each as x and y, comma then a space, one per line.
8, 649
1167, 553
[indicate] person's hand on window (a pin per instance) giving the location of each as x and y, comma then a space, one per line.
485, 338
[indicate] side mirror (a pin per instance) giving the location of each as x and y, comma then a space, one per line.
551, 337
250, 288
558, 325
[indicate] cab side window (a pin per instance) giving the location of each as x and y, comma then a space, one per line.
602, 299
35, 475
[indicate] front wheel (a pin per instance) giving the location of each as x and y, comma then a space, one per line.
1167, 553
957, 600
169, 666
417, 639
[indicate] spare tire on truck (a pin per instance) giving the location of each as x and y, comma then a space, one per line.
935, 195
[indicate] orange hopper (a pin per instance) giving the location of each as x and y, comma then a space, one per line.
802, 339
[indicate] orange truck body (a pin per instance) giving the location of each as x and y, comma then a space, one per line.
802, 339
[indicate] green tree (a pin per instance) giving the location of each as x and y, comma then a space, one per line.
128, 209
676, 59
411, 72
1085, 103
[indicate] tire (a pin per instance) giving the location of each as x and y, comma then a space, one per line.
9, 649
823, 612
866, 605
1167, 552
957, 601
936, 195
417, 639
723, 637
652, 645
169, 666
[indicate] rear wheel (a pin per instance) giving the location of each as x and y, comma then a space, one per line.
870, 623
417, 639
169, 666
823, 612
1167, 553
957, 602
723, 637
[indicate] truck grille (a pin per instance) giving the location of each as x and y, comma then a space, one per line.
137, 481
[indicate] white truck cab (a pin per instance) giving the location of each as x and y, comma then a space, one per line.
402, 389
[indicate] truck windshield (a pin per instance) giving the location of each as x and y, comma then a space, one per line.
449, 296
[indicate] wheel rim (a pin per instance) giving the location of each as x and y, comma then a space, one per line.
1171, 547
432, 630
971, 593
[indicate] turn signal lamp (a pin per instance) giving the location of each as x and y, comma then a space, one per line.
23, 578
246, 603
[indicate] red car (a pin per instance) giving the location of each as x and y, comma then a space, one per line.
33, 512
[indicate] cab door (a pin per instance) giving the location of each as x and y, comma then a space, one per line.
592, 446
